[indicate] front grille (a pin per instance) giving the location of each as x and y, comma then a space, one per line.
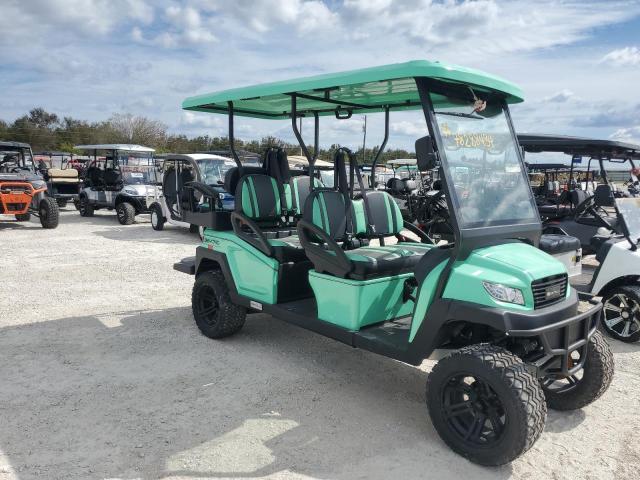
549, 290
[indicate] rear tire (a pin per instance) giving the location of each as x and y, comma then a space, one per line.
76, 203
85, 208
215, 314
485, 404
126, 213
23, 217
596, 378
49, 213
157, 219
62, 203
621, 313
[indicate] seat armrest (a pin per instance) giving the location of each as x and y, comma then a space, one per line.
340, 260
238, 221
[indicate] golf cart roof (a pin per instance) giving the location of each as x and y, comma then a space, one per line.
9, 145
403, 161
358, 91
578, 146
301, 161
195, 156
128, 147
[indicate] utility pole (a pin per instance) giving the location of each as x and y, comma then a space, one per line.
364, 140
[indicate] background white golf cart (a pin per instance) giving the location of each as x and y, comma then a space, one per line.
169, 202
120, 177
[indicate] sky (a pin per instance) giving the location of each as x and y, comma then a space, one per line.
578, 62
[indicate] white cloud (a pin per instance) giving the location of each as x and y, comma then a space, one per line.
409, 129
303, 16
562, 96
631, 134
87, 58
623, 57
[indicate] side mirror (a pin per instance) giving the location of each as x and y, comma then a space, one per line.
425, 155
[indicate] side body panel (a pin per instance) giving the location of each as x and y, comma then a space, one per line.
353, 304
619, 262
254, 274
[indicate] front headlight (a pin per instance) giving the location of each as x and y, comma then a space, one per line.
130, 191
503, 293
38, 184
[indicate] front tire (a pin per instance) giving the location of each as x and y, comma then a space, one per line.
49, 213
621, 313
85, 208
23, 217
157, 219
572, 393
485, 404
126, 213
215, 315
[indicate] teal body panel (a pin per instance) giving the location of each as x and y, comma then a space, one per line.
512, 264
424, 298
254, 274
354, 304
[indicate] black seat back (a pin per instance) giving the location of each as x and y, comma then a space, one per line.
257, 197
112, 176
578, 196
603, 196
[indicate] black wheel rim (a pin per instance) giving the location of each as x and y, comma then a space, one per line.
621, 315
207, 305
554, 383
473, 410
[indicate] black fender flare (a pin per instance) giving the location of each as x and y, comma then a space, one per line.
444, 312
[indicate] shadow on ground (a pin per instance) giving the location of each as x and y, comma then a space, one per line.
144, 395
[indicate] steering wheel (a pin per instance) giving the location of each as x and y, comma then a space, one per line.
589, 207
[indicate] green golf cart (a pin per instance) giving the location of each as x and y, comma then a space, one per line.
511, 334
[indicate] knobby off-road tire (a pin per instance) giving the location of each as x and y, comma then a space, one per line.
597, 373
214, 313
85, 208
126, 213
623, 325
62, 203
49, 212
157, 218
485, 404
23, 217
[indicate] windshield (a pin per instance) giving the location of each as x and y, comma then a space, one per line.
490, 186
629, 208
135, 158
139, 175
213, 170
13, 159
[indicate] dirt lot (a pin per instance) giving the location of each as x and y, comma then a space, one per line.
103, 374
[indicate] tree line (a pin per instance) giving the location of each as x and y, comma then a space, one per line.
46, 131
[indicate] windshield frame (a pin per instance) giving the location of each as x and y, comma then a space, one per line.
475, 236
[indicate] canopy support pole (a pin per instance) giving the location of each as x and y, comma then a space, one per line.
381, 149
316, 136
232, 146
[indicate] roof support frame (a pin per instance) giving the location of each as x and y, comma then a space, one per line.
316, 136
382, 146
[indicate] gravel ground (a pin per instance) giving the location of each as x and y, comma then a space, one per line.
103, 374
